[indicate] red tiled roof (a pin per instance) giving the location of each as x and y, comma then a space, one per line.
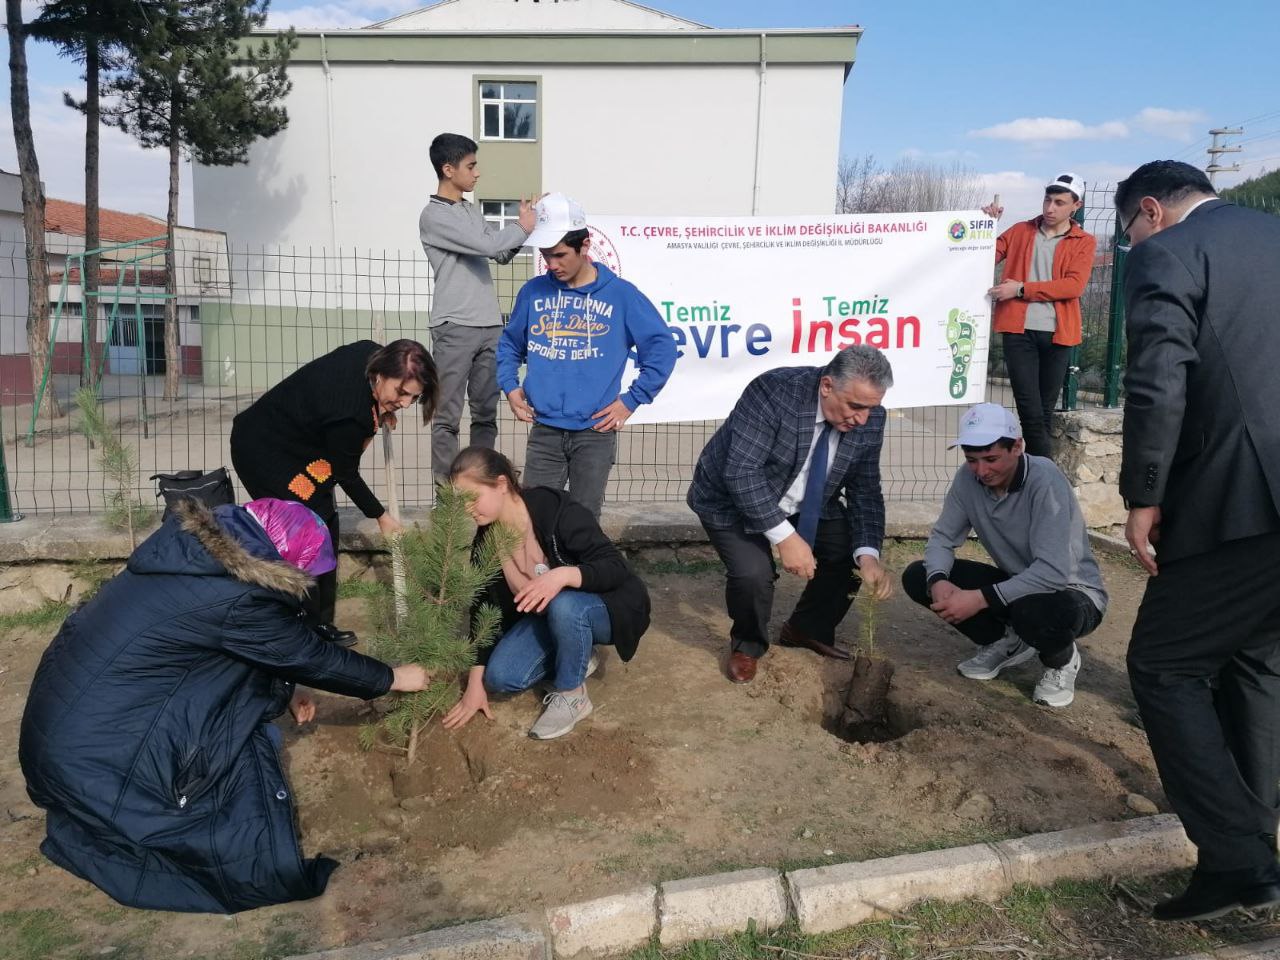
63, 216
110, 277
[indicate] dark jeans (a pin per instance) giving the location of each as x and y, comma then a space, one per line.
1050, 622
751, 572
583, 458
466, 359
1204, 661
1037, 366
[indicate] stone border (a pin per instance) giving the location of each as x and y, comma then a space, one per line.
84, 537
820, 899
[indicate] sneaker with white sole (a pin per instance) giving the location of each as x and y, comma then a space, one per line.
560, 715
986, 664
1057, 688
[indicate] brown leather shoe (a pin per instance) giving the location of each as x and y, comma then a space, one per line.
791, 637
742, 667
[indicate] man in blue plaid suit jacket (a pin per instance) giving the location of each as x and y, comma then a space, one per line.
749, 490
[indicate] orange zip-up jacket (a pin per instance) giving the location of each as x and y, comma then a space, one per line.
1072, 264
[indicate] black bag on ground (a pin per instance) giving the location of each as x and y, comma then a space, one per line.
212, 489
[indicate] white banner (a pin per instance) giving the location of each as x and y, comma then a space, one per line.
743, 295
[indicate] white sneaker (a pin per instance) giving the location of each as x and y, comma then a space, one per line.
1057, 688
986, 664
561, 715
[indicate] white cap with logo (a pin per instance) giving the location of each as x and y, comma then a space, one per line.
557, 214
985, 423
1069, 181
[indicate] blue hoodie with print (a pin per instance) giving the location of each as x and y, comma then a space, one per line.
575, 343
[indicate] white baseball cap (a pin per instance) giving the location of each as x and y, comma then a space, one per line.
985, 423
558, 214
1069, 181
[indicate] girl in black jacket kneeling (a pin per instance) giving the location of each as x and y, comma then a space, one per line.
564, 590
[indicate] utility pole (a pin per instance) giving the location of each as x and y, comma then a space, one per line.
1215, 151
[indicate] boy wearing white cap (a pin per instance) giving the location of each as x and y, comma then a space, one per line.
1047, 262
573, 329
1044, 590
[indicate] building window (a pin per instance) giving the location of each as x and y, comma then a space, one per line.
203, 269
509, 110
502, 213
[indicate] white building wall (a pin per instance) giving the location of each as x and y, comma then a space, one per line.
13, 268
656, 139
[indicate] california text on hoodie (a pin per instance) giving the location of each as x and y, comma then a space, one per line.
575, 343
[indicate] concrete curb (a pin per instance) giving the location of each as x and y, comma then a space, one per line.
820, 899
1262, 950
85, 537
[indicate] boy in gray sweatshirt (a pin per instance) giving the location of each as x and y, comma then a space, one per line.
465, 319
1045, 589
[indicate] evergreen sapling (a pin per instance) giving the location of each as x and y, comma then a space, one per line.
443, 628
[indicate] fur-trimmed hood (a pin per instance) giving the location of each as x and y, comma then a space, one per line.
227, 541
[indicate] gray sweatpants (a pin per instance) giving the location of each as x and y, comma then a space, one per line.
466, 358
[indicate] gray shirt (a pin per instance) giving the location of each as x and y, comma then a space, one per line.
1040, 313
459, 244
1034, 532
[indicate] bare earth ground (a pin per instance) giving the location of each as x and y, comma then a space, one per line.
677, 773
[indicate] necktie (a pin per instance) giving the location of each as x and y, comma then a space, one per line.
811, 505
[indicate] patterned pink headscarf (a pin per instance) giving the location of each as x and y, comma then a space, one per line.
300, 537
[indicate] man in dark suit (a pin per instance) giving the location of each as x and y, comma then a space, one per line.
1201, 477
798, 440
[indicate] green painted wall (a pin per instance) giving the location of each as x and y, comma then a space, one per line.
509, 169
692, 46
252, 347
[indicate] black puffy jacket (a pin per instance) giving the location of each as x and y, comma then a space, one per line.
145, 735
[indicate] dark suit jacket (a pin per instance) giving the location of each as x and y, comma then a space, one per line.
1202, 411
757, 453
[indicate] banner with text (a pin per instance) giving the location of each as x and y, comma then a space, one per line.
743, 295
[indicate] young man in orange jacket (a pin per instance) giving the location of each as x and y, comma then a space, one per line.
1047, 262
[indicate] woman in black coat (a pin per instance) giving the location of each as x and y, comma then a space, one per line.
147, 736
565, 589
307, 433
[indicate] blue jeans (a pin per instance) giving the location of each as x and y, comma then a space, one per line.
554, 645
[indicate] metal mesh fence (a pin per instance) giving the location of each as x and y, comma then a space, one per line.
247, 318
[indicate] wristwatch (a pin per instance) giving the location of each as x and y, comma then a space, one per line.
1021, 289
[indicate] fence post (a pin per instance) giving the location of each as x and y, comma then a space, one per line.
7, 514
1115, 325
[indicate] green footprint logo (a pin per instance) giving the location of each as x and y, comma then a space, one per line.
960, 337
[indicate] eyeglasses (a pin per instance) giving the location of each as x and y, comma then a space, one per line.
1132, 220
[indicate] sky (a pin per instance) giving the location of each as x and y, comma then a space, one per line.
1016, 92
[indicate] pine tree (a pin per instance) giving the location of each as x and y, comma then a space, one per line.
38, 348
444, 578
98, 34
198, 85
119, 463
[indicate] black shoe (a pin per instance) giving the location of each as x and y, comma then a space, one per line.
1212, 893
343, 638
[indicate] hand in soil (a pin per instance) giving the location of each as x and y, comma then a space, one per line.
474, 700
875, 577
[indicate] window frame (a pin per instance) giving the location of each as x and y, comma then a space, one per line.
501, 101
